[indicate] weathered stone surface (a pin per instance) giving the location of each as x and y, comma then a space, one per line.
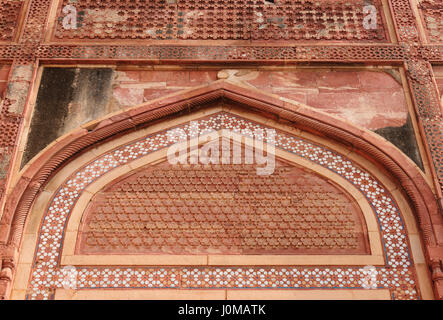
4, 72
369, 99
223, 20
438, 71
242, 33
17, 93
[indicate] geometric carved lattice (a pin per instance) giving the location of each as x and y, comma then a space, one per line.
222, 53
33, 30
432, 11
434, 132
222, 209
397, 274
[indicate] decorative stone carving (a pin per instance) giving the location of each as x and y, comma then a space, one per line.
222, 209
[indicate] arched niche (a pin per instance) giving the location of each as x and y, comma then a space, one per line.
394, 244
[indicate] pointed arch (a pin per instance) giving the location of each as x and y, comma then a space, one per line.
376, 149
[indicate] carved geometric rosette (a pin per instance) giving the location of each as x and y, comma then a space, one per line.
432, 16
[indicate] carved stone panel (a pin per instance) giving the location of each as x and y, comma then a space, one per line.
223, 209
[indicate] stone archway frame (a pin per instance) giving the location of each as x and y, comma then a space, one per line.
61, 177
362, 141
370, 224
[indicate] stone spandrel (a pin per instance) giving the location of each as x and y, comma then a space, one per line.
9, 19
222, 209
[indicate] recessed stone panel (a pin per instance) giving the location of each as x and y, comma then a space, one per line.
222, 209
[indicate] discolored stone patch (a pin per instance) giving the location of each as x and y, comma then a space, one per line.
404, 138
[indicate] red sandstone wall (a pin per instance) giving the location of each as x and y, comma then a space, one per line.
4, 72
369, 99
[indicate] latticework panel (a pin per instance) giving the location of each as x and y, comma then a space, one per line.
9, 18
432, 14
221, 20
